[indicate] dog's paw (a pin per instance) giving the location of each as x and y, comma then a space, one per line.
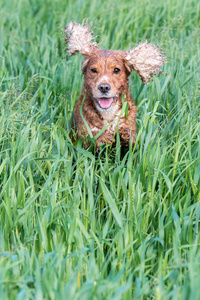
107, 138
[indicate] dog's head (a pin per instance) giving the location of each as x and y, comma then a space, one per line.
105, 71
106, 76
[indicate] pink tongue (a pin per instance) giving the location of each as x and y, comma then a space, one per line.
105, 102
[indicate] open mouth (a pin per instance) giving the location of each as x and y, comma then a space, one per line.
105, 102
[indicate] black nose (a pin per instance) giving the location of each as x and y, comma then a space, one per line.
104, 87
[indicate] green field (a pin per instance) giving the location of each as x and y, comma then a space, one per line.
76, 225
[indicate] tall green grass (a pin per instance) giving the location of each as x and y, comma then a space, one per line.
75, 225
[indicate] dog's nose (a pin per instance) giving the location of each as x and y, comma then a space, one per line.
104, 87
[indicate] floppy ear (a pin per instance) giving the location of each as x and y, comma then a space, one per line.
146, 59
84, 64
79, 39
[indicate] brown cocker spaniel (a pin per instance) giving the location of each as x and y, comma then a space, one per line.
105, 105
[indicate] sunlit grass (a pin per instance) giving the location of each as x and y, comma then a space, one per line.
121, 224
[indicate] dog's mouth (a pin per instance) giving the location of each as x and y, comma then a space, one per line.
105, 103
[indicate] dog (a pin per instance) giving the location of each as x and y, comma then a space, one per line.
105, 106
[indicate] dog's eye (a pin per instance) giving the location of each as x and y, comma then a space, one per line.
94, 70
116, 70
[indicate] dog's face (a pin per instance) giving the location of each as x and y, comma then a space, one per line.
106, 74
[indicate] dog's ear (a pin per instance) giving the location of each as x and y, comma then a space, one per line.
79, 39
85, 62
146, 59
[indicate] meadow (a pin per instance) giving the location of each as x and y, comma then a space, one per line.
120, 224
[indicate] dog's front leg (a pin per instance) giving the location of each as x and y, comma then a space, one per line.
105, 138
126, 134
127, 131
127, 126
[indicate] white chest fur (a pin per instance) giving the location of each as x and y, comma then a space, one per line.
110, 114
